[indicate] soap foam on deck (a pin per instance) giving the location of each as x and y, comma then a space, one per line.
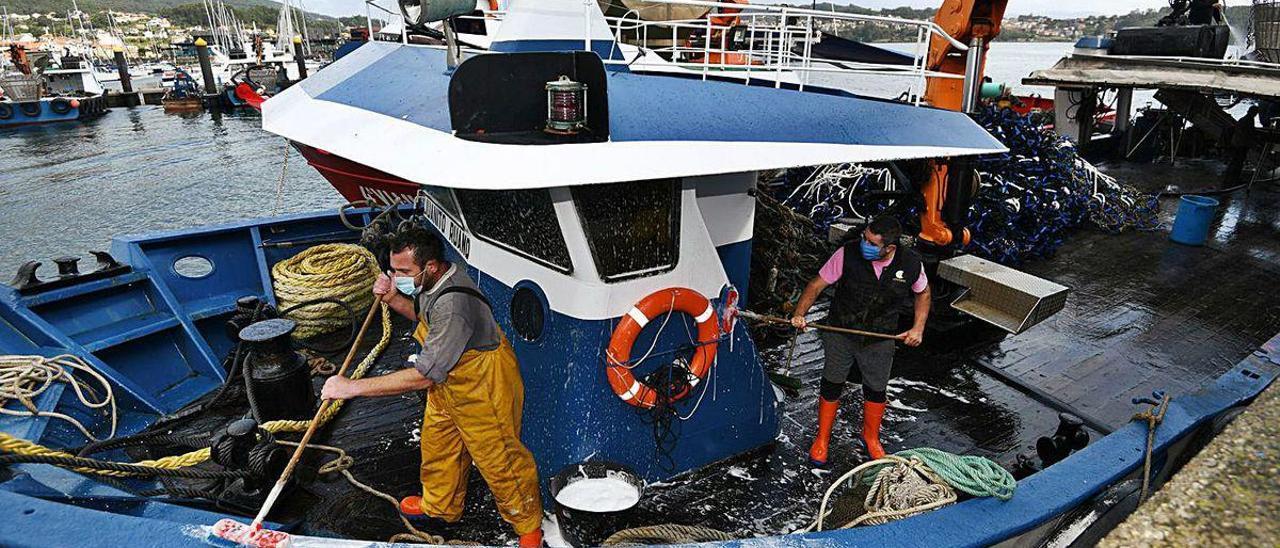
599, 495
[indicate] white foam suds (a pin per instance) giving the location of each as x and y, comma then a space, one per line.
551, 533
740, 473
599, 495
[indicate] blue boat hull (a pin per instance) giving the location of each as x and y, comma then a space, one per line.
51, 110
146, 313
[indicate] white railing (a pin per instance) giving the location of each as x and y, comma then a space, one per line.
744, 42
771, 43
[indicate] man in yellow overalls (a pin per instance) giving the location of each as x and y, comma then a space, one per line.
475, 396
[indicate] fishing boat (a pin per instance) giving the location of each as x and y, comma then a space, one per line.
613, 235
65, 94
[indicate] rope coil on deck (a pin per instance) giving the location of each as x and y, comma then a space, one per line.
342, 272
18, 446
25, 378
915, 481
338, 271
667, 533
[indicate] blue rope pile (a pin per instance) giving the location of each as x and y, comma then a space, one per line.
830, 193
1031, 197
1028, 200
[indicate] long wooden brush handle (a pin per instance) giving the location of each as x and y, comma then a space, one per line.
315, 421
820, 327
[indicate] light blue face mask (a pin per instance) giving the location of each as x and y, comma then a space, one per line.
870, 251
405, 285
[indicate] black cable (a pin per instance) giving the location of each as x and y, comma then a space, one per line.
247, 367
81, 462
183, 492
144, 439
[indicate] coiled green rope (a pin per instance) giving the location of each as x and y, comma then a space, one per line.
977, 476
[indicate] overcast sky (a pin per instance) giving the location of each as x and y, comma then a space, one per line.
1054, 8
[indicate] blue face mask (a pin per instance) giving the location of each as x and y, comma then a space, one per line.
405, 285
870, 251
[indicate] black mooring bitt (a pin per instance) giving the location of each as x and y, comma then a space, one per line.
28, 282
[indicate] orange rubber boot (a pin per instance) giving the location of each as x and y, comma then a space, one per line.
532, 539
872, 414
411, 506
826, 419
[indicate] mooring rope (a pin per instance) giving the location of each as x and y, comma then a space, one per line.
342, 464
667, 533
18, 446
343, 272
915, 481
25, 378
1153, 418
336, 279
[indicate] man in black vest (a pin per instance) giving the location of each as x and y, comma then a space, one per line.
874, 278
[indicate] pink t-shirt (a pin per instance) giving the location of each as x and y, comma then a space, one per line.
834, 268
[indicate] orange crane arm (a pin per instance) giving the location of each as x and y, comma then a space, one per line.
947, 192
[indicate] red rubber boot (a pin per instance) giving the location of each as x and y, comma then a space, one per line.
826, 420
872, 414
532, 539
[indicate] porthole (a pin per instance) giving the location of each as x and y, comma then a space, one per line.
193, 267
528, 316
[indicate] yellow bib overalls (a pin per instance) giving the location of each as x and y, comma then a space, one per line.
474, 416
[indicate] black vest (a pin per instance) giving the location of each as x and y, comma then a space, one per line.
864, 302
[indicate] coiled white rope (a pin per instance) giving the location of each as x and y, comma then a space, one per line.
25, 378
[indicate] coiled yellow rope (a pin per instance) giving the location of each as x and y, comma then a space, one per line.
334, 252
344, 272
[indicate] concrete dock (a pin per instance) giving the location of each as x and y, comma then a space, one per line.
1227, 495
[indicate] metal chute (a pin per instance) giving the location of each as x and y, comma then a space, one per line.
1006, 298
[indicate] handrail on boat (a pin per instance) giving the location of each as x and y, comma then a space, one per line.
777, 45
932, 26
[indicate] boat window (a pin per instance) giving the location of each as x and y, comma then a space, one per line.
442, 197
633, 228
521, 221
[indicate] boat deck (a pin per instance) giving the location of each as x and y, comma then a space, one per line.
1144, 314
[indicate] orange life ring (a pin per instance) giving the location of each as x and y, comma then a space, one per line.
676, 299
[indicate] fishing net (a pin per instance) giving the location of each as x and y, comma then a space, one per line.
1029, 199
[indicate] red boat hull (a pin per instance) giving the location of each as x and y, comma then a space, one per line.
357, 182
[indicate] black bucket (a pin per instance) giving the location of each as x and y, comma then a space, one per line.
583, 527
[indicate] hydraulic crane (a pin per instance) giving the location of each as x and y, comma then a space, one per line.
951, 185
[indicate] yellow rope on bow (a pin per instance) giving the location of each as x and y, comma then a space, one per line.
343, 272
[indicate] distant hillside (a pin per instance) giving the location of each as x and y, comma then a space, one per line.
184, 13
132, 6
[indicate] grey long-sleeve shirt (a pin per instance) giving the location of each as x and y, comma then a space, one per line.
458, 322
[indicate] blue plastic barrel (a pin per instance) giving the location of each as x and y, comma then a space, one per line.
1195, 214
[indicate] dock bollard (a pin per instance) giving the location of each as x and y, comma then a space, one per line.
297, 56
206, 68
122, 66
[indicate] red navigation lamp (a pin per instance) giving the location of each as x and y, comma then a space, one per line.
566, 106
